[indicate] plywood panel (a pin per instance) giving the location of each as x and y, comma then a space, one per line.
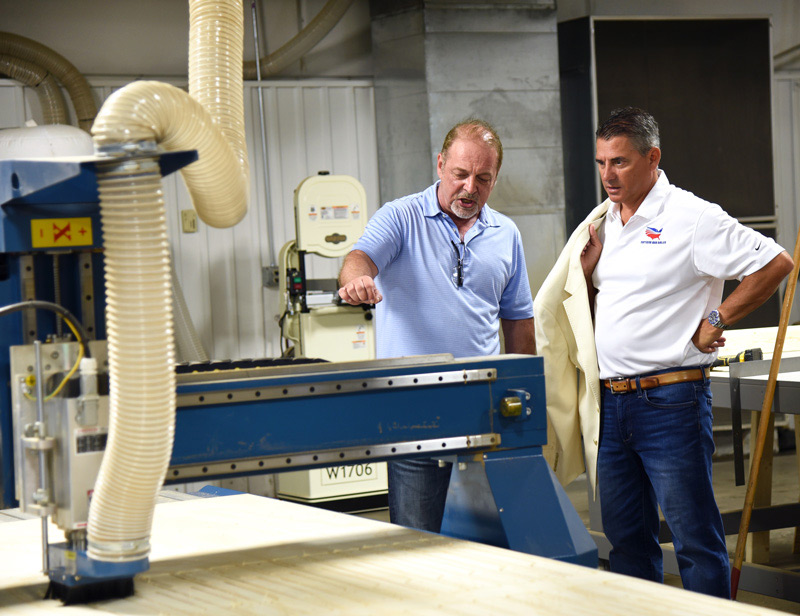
251, 555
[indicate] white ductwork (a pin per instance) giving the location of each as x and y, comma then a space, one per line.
139, 313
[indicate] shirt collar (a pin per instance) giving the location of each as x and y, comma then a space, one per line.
651, 206
431, 208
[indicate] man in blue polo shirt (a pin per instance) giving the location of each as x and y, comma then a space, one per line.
446, 271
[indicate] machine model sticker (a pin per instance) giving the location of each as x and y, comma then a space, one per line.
355, 212
90, 440
61, 232
350, 473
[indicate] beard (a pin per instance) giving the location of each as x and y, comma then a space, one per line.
462, 212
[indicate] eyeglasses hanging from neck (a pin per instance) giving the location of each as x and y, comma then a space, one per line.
458, 269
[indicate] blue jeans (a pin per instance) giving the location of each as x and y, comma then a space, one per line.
655, 449
417, 493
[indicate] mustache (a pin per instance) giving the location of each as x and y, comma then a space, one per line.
470, 196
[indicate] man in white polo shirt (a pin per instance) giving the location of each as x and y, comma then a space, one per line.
450, 271
654, 268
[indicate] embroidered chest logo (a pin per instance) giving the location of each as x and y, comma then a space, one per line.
653, 236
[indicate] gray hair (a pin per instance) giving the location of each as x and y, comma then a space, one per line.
635, 124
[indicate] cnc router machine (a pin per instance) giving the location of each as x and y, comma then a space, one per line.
243, 417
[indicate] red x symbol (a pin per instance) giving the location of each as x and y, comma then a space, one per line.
57, 233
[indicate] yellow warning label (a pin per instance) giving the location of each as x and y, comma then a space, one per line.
61, 232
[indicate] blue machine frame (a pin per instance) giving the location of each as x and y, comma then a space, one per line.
485, 414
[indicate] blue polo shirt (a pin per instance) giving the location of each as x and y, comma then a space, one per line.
411, 241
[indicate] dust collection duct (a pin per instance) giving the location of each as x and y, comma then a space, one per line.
141, 349
328, 16
54, 109
141, 339
21, 53
41, 68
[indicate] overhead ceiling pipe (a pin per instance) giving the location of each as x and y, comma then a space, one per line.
54, 107
62, 69
328, 16
141, 345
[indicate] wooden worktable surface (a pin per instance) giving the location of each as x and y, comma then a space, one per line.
246, 554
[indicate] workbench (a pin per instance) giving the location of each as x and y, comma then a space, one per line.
247, 554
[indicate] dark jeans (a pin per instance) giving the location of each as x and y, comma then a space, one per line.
655, 449
417, 493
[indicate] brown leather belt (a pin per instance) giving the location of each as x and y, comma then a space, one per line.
624, 385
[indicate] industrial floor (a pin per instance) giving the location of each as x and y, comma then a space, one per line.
785, 489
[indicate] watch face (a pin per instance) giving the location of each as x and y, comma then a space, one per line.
713, 319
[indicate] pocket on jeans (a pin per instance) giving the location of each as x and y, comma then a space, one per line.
671, 396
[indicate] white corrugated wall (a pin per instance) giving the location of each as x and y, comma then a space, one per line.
311, 126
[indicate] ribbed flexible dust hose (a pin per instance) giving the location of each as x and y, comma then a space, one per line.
141, 358
151, 110
216, 49
75, 83
54, 107
139, 314
328, 16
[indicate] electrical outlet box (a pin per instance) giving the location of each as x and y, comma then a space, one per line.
189, 221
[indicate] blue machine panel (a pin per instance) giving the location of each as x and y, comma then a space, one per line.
248, 427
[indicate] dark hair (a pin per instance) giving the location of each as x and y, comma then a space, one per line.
479, 130
635, 124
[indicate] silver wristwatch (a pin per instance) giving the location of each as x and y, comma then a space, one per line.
715, 320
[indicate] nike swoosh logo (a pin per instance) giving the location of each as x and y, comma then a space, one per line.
759, 246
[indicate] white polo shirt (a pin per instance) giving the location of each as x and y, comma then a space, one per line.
661, 273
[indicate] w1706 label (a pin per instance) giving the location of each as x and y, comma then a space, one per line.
348, 474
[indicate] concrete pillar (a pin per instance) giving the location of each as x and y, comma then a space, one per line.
437, 63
